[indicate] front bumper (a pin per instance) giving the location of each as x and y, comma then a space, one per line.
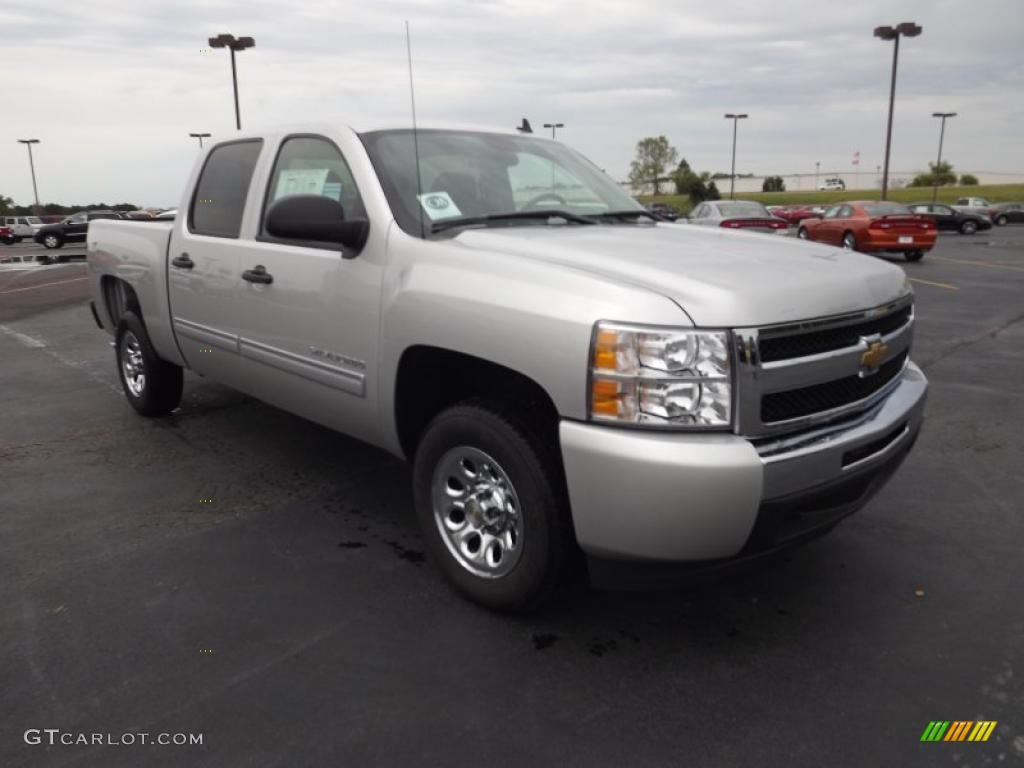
671, 498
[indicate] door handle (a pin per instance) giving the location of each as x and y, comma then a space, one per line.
258, 274
183, 262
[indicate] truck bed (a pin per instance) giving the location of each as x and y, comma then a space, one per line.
134, 252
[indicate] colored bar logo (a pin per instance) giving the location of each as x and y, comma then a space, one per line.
958, 730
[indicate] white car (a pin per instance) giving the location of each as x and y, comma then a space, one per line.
829, 185
22, 226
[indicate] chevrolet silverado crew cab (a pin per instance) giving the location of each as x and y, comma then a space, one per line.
566, 373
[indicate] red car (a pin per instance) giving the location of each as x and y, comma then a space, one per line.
792, 214
872, 227
6, 235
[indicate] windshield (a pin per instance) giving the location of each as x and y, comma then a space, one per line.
742, 208
465, 174
33, 220
886, 209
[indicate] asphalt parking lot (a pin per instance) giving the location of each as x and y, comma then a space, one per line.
238, 572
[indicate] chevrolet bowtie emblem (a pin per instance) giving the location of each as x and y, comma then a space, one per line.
873, 356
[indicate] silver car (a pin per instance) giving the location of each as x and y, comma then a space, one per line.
737, 214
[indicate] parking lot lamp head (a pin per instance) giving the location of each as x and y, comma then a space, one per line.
735, 117
905, 29
553, 126
233, 44
200, 136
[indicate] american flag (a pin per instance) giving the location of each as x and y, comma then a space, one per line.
856, 158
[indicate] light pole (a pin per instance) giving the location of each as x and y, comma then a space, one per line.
233, 44
906, 29
732, 176
32, 167
938, 160
553, 126
200, 136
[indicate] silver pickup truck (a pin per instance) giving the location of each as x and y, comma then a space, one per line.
567, 374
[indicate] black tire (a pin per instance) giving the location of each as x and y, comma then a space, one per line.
803, 234
160, 391
17, 238
968, 227
533, 468
52, 240
849, 241
10, 240
1001, 221
913, 255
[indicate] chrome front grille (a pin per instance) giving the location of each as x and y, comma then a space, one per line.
799, 376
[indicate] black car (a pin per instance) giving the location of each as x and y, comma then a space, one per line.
950, 218
71, 229
666, 212
1004, 213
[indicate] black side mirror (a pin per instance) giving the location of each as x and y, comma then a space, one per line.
316, 218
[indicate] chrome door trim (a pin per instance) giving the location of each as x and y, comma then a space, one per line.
335, 376
206, 334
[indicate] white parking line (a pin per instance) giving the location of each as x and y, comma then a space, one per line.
43, 285
21, 338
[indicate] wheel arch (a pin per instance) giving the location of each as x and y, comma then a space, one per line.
430, 379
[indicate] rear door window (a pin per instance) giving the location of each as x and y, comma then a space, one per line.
219, 199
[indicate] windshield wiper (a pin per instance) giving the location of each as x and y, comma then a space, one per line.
626, 214
465, 221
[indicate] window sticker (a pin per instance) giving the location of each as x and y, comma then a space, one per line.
438, 205
300, 181
332, 190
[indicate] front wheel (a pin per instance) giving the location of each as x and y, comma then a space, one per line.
913, 255
152, 386
53, 241
1001, 221
491, 507
803, 234
849, 241
968, 227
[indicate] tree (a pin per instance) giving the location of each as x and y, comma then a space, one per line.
654, 156
698, 187
968, 180
773, 184
6, 206
939, 174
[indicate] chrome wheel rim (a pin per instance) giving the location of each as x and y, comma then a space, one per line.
848, 242
477, 512
802, 234
50, 241
133, 366
970, 227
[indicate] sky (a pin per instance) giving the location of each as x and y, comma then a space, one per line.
112, 89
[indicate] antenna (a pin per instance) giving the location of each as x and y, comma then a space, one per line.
415, 134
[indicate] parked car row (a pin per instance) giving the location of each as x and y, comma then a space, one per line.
873, 227
21, 227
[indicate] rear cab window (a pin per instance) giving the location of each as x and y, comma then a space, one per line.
223, 187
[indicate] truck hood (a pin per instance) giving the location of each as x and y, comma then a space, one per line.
719, 278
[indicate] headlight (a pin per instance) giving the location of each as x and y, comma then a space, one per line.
660, 377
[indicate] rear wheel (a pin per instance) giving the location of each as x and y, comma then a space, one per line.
1001, 221
152, 386
913, 255
803, 234
849, 241
968, 227
489, 500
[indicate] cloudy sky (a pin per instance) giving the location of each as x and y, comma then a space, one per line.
113, 88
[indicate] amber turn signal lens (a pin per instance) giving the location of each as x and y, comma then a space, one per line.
605, 397
606, 350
